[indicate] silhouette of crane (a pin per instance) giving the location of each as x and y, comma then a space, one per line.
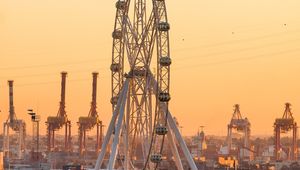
16, 125
89, 122
283, 125
55, 123
240, 125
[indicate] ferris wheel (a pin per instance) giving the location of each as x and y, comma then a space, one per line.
141, 122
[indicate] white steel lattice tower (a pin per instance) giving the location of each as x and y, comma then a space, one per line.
139, 128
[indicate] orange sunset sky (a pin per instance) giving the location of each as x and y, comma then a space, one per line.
223, 51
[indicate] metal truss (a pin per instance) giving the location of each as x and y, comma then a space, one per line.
141, 122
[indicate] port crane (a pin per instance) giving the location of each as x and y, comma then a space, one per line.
55, 123
240, 125
284, 125
17, 125
89, 122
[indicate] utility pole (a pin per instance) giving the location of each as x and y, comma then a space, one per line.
35, 119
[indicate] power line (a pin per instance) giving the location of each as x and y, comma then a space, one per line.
238, 50
238, 59
188, 67
176, 68
49, 82
237, 41
195, 47
48, 65
50, 74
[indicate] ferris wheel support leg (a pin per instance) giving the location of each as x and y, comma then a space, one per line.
181, 142
126, 137
174, 149
126, 140
108, 133
113, 155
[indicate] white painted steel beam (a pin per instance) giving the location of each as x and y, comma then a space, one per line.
113, 155
174, 149
181, 142
109, 131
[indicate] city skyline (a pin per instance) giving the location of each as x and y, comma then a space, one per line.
223, 54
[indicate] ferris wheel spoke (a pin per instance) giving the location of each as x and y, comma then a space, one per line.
142, 46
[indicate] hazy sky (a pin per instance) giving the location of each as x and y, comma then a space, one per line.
224, 52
